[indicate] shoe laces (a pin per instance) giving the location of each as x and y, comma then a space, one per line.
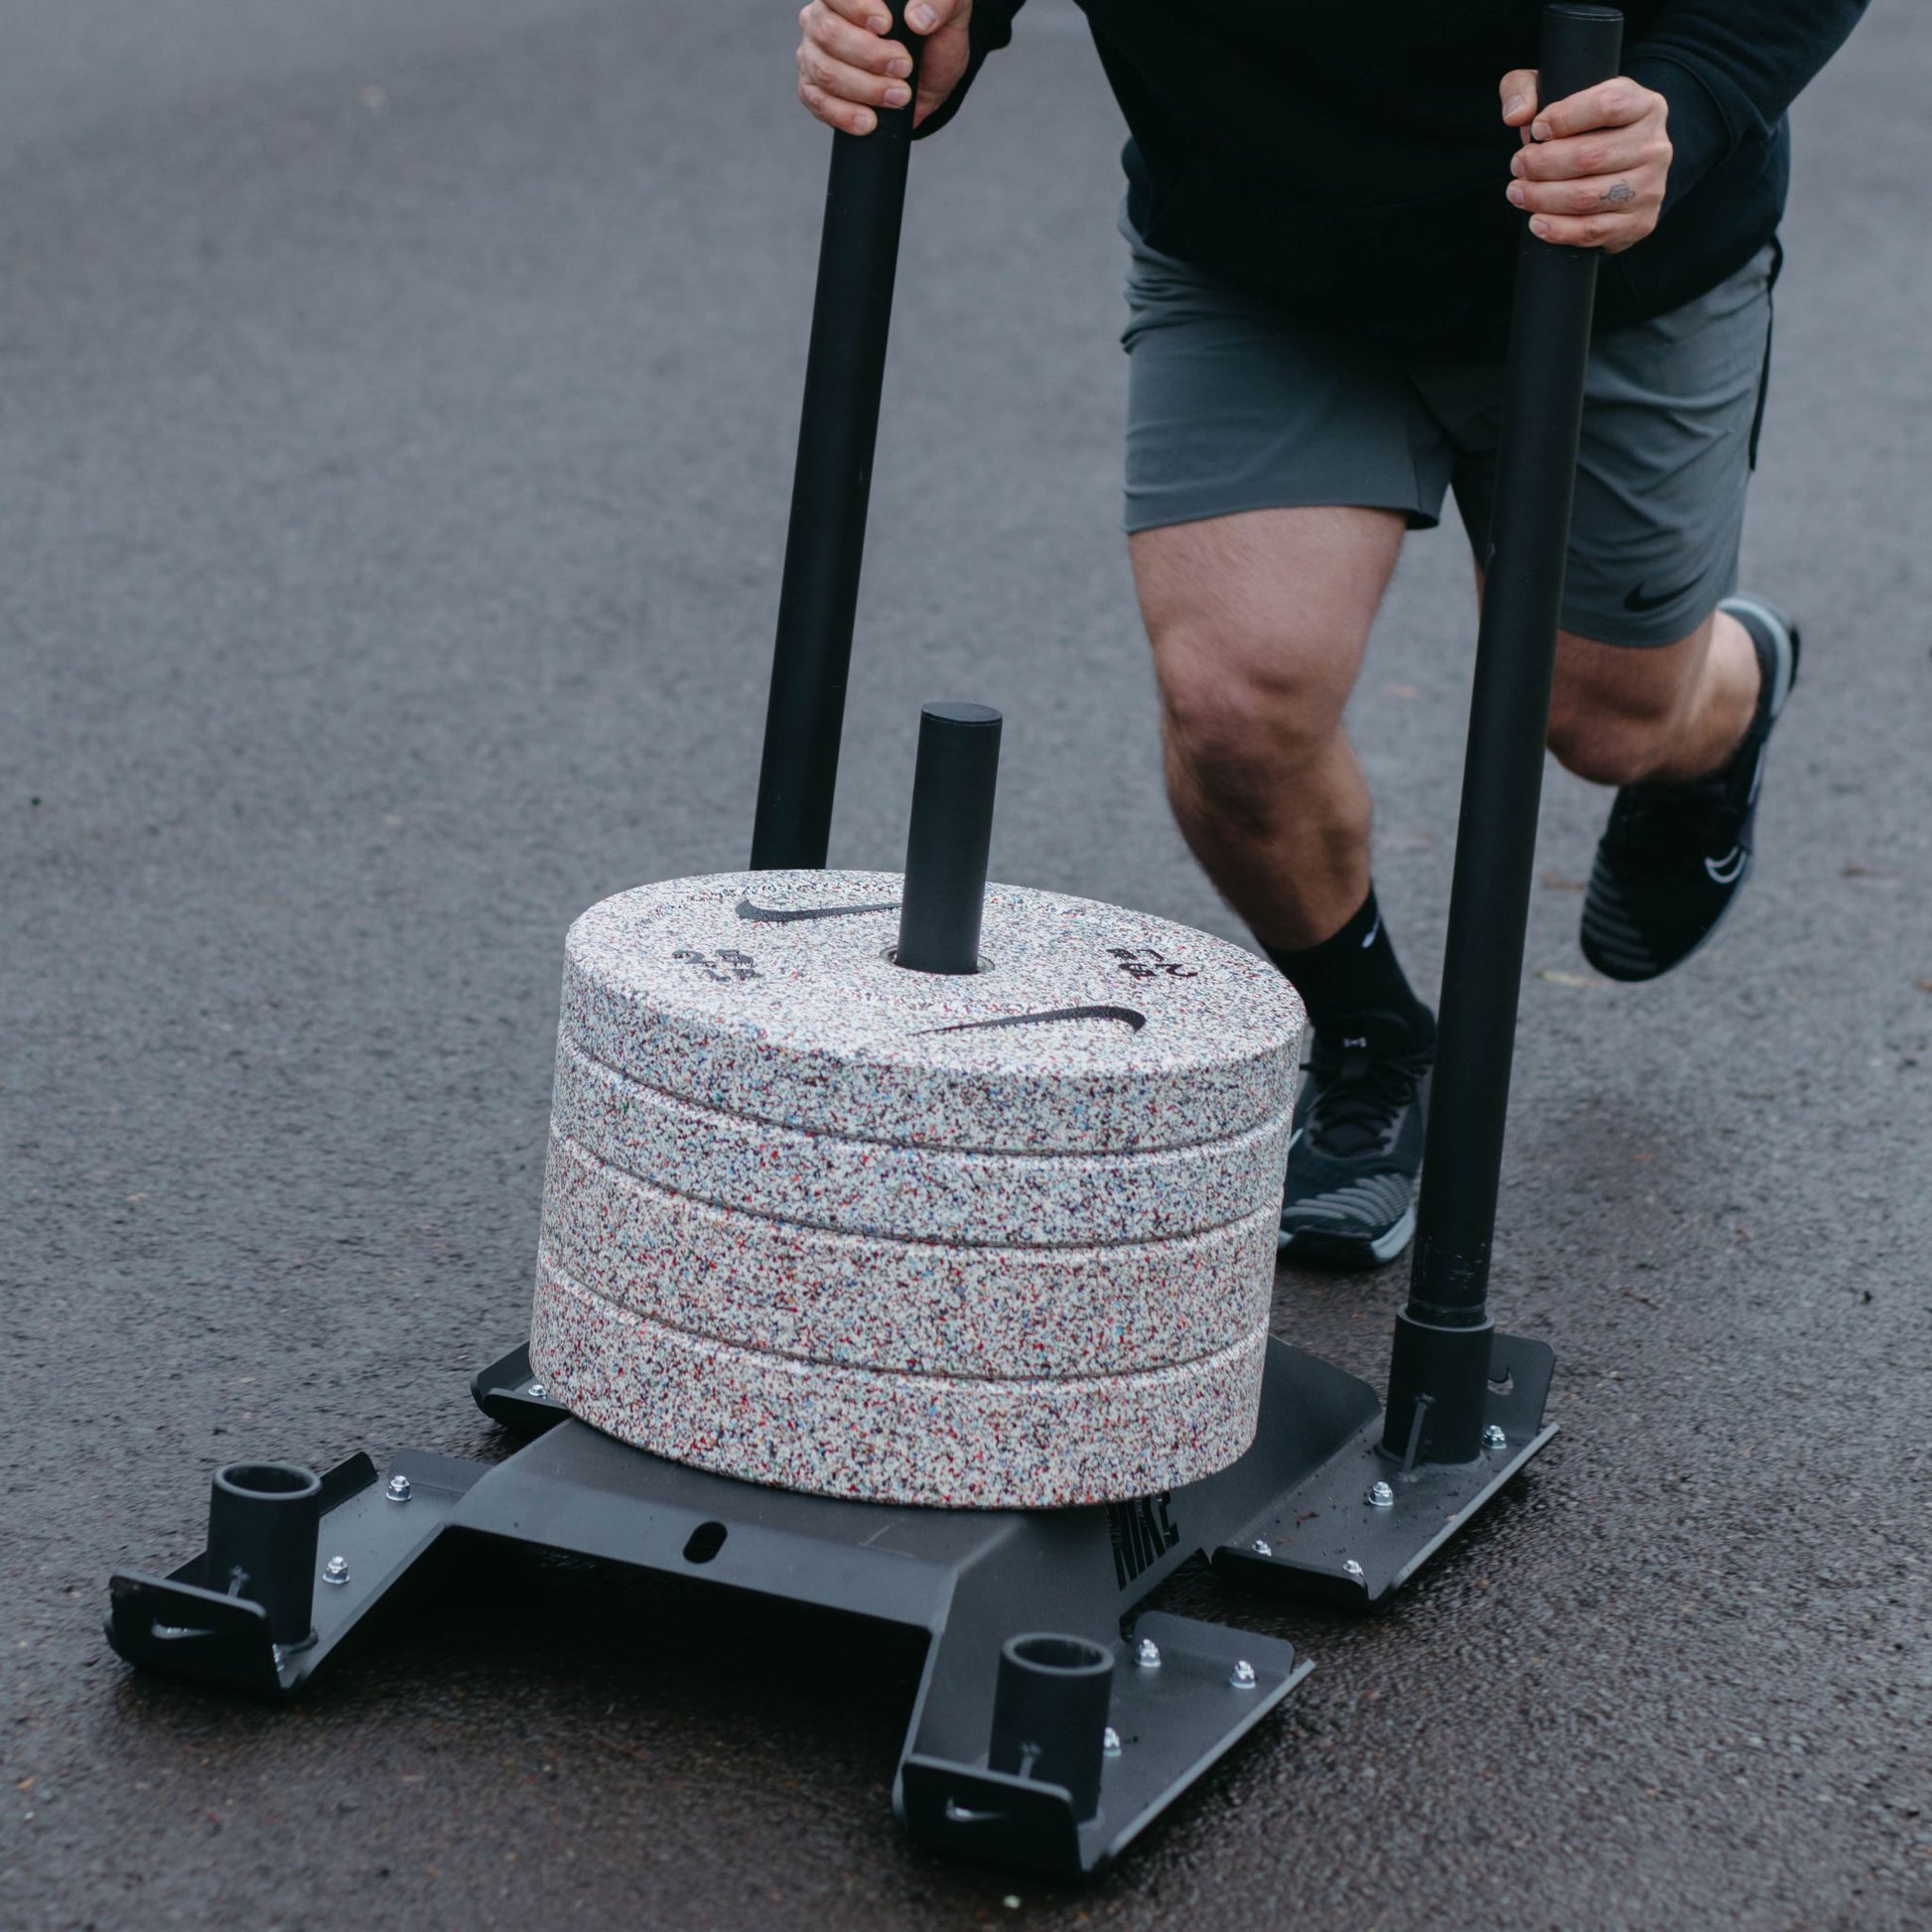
1359, 1097
1663, 825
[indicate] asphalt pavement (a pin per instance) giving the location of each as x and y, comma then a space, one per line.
396, 415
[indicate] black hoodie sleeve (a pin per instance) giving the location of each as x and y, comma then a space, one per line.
988, 28
1729, 69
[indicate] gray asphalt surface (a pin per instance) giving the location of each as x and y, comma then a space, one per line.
396, 409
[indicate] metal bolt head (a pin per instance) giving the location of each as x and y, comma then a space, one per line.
1493, 1436
398, 1489
536, 1391
1353, 1569
1147, 1653
1381, 1496
1262, 1547
1242, 1676
335, 1571
1110, 1743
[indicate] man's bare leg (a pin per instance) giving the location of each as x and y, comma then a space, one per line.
1663, 716
1685, 724
1258, 624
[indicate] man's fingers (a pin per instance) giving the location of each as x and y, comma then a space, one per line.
1613, 151
942, 67
1610, 232
853, 85
1593, 167
848, 68
855, 46
1643, 149
1518, 97
869, 14
1598, 195
1615, 103
845, 116
928, 16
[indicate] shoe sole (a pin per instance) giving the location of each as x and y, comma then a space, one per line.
1610, 972
1349, 1252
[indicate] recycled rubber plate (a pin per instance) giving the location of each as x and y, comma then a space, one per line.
928, 1306
1090, 1029
952, 1443
916, 1193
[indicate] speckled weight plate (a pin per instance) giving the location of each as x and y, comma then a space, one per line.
771, 994
916, 1194
857, 1301
899, 1438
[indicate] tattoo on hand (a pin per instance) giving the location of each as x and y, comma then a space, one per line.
1619, 192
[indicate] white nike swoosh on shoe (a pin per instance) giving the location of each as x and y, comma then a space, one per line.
1728, 869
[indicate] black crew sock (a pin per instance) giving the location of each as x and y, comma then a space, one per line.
1355, 973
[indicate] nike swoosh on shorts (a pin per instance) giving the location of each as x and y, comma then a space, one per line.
1635, 600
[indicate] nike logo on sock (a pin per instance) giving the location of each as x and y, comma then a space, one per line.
1726, 871
1372, 932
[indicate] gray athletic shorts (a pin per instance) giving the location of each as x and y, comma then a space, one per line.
1232, 406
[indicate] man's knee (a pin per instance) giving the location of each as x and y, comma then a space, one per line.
1614, 712
1607, 747
1258, 624
1241, 715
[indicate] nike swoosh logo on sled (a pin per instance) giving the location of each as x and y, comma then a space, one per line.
958, 1814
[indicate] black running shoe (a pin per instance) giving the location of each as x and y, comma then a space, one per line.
1672, 858
1350, 1200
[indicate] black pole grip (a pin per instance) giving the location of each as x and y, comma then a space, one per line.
1581, 47
837, 426
1502, 781
949, 838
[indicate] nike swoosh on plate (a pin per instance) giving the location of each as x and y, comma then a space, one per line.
1125, 1015
790, 914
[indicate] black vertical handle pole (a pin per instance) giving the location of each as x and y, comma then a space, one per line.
1438, 1374
948, 843
845, 369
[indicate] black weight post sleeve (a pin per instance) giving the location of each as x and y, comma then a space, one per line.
1439, 1371
949, 838
845, 369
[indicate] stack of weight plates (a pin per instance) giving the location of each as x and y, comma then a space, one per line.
986, 1241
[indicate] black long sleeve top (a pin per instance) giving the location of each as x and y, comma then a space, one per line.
1351, 161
